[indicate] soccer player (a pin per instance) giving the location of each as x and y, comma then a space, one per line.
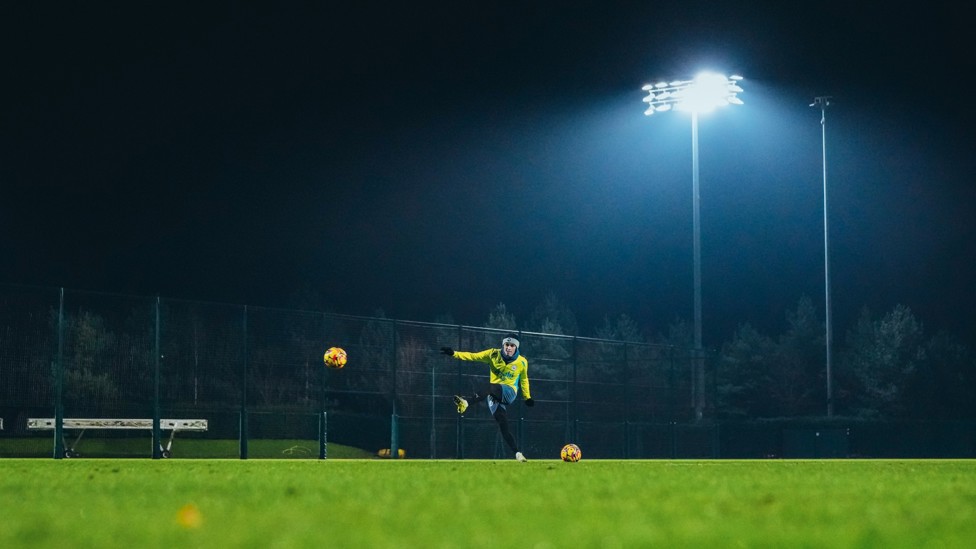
508, 371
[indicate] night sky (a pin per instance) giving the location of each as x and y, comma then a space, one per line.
440, 158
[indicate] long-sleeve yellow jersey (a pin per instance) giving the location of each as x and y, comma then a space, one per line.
515, 374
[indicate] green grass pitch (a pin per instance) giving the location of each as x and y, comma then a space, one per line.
474, 503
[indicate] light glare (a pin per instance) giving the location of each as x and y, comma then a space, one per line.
708, 91
702, 94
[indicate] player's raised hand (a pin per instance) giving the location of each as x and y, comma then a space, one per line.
447, 351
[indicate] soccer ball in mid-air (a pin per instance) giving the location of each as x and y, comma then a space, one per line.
335, 357
571, 452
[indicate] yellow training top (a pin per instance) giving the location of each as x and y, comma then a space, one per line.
515, 374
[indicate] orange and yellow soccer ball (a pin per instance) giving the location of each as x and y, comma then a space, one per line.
335, 357
571, 452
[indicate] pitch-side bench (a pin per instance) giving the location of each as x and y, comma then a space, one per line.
172, 425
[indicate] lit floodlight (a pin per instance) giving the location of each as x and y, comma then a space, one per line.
700, 95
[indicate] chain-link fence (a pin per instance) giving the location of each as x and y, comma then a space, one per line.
105, 375
255, 374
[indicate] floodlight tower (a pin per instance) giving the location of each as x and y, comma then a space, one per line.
703, 94
822, 102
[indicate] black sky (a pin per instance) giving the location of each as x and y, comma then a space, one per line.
429, 158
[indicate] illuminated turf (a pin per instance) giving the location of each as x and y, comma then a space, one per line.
542, 503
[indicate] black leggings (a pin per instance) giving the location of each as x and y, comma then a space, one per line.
493, 389
501, 417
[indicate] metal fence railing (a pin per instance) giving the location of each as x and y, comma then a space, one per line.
254, 378
256, 373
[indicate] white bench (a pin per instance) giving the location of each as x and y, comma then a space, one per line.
172, 425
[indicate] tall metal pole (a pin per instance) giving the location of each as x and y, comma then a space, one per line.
823, 102
697, 361
704, 93
696, 197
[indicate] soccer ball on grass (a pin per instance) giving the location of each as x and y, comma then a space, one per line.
335, 357
571, 452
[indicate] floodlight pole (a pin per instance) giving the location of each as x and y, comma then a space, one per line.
702, 94
823, 102
699, 359
696, 222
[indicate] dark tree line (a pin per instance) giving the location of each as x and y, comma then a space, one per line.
885, 366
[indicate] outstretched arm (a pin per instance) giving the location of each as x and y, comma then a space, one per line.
482, 356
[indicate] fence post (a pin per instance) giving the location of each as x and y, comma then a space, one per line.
59, 384
672, 424
672, 397
628, 402
244, 426
323, 395
460, 419
394, 427
323, 435
626, 440
433, 410
156, 437
519, 429
575, 419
